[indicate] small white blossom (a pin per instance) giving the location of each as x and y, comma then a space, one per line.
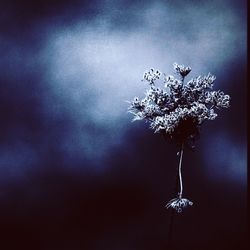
179, 203
152, 75
180, 69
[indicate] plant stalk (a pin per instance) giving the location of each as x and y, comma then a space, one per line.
180, 177
173, 212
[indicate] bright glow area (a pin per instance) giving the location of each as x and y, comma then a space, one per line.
93, 68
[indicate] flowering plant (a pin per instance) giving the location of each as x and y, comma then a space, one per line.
178, 110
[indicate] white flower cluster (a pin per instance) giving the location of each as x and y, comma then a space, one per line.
152, 75
178, 109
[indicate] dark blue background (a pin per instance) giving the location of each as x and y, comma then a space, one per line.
75, 173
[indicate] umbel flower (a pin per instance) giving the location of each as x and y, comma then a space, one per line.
177, 110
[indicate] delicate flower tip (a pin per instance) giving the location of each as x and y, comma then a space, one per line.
181, 69
178, 204
151, 76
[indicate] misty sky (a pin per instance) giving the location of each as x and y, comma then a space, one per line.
75, 173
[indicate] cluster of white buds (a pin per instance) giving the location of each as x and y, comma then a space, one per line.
152, 75
178, 109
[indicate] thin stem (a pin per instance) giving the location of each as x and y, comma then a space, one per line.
180, 177
182, 80
172, 216
173, 213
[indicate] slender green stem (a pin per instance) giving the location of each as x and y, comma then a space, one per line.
180, 177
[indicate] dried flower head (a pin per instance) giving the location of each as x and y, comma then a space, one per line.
176, 109
180, 69
179, 203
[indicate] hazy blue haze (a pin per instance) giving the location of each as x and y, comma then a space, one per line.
69, 154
